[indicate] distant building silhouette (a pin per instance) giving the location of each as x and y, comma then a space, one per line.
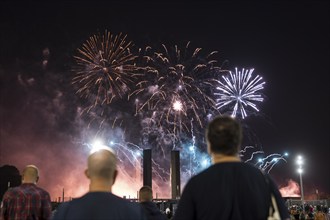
9, 177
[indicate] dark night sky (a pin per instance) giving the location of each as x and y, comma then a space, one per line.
286, 42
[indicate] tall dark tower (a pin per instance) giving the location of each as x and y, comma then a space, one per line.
175, 174
147, 172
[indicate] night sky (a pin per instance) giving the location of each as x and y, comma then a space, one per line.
287, 43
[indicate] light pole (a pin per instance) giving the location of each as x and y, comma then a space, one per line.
300, 171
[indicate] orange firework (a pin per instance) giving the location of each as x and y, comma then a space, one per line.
104, 68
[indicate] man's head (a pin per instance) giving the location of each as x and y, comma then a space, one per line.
30, 174
102, 166
224, 136
145, 194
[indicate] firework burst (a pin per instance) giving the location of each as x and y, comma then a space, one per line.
238, 91
176, 87
104, 68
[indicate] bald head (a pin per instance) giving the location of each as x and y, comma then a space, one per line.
30, 174
102, 164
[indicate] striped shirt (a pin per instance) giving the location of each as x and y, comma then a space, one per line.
26, 202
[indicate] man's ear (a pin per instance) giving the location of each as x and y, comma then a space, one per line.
114, 176
37, 179
87, 174
208, 147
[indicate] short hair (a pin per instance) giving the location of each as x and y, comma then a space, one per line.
102, 164
145, 193
224, 135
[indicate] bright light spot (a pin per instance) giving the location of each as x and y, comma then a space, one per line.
177, 106
286, 154
300, 160
138, 153
259, 160
192, 148
98, 145
300, 170
205, 162
112, 143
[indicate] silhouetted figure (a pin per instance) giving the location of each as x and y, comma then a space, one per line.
229, 189
27, 201
150, 208
9, 177
99, 202
319, 215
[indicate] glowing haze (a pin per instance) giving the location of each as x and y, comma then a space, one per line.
51, 128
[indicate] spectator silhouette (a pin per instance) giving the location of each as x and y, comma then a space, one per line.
9, 177
319, 215
99, 202
229, 189
150, 208
27, 201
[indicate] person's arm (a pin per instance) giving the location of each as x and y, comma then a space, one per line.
4, 206
46, 206
186, 209
279, 200
60, 212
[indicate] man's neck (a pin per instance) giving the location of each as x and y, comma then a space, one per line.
221, 158
144, 200
29, 182
100, 186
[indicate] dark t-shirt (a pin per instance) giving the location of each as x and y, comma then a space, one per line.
99, 205
152, 211
228, 191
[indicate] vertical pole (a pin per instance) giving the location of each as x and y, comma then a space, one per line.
302, 191
63, 195
175, 174
147, 170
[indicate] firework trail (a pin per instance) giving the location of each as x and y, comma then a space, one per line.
265, 163
238, 91
175, 87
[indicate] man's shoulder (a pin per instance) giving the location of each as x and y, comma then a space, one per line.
34, 189
225, 169
237, 166
41, 189
101, 198
105, 204
13, 190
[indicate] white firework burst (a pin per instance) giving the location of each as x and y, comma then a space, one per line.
238, 91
